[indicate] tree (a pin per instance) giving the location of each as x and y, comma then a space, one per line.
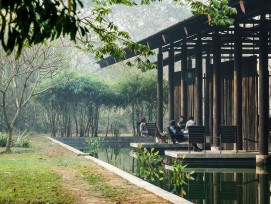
138, 94
76, 104
19, 80
29, 22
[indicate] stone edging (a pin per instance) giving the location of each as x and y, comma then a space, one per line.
132, 179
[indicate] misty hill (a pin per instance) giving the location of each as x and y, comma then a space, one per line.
143, 21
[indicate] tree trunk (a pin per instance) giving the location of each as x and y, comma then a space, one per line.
9, 140
133, 117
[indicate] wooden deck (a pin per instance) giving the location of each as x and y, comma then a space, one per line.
161, 147
217, 170
213, 158
210, 158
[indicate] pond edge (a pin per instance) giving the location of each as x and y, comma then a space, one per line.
131, 178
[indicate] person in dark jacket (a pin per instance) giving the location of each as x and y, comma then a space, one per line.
175, 132
177, 135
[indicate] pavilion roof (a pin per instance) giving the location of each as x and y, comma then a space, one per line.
198, 25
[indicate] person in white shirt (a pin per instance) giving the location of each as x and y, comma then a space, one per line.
190, 122
143, 128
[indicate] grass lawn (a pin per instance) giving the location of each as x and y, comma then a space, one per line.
50, 174
27, 177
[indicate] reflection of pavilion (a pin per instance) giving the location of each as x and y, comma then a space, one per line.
229, 84
223, 185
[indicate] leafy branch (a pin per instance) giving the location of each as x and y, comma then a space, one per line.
218, 11
30, 22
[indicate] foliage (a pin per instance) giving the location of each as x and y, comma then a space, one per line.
93, 145
179, 176
22, 140
19, 80
3, 139
149, 164
138, 94
150, 168
35, 21
218, 11
76, 103
116, 132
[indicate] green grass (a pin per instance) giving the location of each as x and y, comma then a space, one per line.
104, 190
29, 176
26, 177
31, 185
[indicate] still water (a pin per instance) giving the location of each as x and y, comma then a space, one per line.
211, 185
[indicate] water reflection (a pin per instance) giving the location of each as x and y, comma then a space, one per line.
211, 185
223, 187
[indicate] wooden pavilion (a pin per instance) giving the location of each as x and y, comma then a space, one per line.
224, 77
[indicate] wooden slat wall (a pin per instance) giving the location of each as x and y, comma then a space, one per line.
249, 97
211, 95
249, 100
227, 93
177, 96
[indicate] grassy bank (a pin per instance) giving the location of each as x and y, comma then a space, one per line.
28, 176
48, 173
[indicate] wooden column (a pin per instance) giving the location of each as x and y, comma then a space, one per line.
237, 84
263, 87
171, 82
206, 95
264, 194
216, 87
240, 182
160, 89
189, 63
183, 82
198, 112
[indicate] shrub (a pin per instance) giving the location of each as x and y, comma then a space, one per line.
3, 139
179, 176
93, 145
149, 164
22, 141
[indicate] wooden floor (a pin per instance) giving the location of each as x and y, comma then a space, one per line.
217, 170
213, 158
208, 158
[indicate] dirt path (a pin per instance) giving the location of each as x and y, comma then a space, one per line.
109, 187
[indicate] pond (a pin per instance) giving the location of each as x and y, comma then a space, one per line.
211, 185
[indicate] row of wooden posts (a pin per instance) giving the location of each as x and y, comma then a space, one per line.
200, 113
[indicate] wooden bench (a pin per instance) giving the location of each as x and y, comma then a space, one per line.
154, 132
196, 135
228, 134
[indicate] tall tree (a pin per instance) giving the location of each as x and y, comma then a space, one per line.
138, 94
19, 80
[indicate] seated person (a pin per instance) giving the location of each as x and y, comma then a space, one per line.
181, 124
142, 127
190, 122
176, 133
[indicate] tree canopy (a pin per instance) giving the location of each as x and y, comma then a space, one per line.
29, 22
